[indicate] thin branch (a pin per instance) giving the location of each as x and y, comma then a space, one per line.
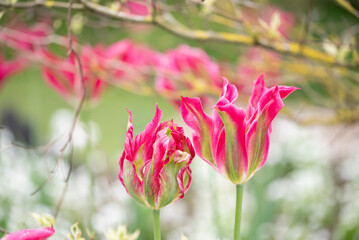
49, 4
154, 11
4, 230
79, 107
346, 5
285, 47
307, 23
65, 189
77, 113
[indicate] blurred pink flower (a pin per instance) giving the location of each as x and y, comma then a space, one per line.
234, 141
155, 166
254, 62
8, 67
270, 20
130, 63
62, 73
286, 19
31, 234
186, 68
137, 7
28, 39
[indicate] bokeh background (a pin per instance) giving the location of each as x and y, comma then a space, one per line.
309, 187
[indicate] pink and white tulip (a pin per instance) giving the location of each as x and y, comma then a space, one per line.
235, 141
31, 234
155, 165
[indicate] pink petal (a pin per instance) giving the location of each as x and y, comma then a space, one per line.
8, 68
203, 126
50, 78
137, 8
257, 91
231, 155
154, 184
129, 177
148, 136
284, 91
258, 134
31, 234
182, 175
229, 92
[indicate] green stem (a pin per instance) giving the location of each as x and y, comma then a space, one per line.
237, 223
156, 225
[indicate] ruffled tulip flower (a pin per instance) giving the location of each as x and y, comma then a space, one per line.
187, 69
235, 141
31, 234
155, 165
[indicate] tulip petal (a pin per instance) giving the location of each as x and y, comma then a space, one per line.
231, 156
257, 91
139, 150
154, 183
229, 92
184, 179
284, 91
148, 136
130, 180
31, 234
203, 126
259, 131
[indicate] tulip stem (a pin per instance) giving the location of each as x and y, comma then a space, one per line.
156, 224
237, 223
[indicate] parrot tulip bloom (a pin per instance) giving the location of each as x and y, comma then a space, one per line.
155, 165
235, 141
31, 234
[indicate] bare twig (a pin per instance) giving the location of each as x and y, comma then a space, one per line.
307, 23
50, 4
64, 190
4, 230
285, 47
346, 5
77, 112
79, 106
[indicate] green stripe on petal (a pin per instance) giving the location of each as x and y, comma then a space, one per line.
132, 182
234, 162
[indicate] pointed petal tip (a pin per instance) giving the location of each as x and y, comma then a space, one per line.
260, 79
225, 80
184, 99
158, 110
